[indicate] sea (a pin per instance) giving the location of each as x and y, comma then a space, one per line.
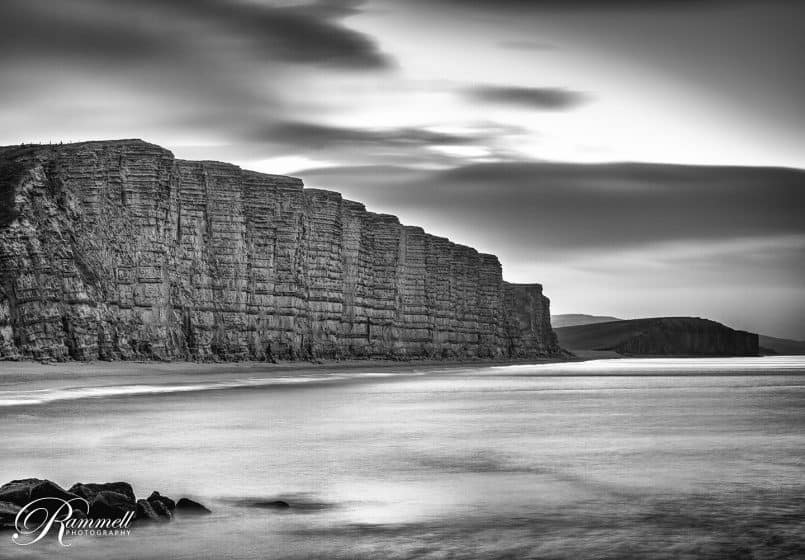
621, 459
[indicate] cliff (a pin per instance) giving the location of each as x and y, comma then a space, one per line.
660, 336
117, 250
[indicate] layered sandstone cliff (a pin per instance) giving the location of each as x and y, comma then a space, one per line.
117, 250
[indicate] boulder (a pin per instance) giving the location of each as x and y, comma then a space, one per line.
88, 491
145, 511
187, 506
22, 492
161, 509
169, 504
111, 505
18, 492
48, 489
8, 513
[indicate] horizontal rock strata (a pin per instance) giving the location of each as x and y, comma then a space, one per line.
117, 250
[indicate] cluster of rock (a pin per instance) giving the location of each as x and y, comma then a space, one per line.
111, 500
117, 250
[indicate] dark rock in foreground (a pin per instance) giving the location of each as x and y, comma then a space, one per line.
112, 500
89, 491
156, 508
161, 509
8, 513
661, 336
169, 504
145, 511
24, 491
189, 506
111, 505
18, 491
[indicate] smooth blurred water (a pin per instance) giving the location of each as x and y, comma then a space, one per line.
675, 458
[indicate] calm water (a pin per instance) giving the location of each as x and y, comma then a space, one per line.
610, 459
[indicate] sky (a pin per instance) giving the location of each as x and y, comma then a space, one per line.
638, 158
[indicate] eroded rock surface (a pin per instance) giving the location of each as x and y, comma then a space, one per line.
117, 250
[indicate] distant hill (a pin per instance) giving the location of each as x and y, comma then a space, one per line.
781, 345
574, 319
660, 336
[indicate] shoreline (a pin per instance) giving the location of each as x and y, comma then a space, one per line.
76, 369
34, 376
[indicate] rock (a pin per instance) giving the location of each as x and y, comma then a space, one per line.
111, 500
18, 492
48, 489
22, 492
111, 505
8, 514
90, 490
161, 509
117, 250
145, 511
187, 506
169, 504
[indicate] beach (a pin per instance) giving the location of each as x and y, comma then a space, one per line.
600, 459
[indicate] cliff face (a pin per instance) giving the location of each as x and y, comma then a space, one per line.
661, 336
117, 250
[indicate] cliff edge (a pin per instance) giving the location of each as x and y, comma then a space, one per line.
117, 250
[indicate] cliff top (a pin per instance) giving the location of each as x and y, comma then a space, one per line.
73, 145
23, 152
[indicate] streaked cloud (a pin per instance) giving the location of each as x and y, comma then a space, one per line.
114, 31
545, 99
318, 136
591, 207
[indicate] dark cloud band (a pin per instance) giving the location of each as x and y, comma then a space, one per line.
575, 207
545, 99
117, 30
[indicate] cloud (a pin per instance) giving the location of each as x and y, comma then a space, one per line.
300, 34
561, 208
178, 72
301, 134
544, 99
415, 147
